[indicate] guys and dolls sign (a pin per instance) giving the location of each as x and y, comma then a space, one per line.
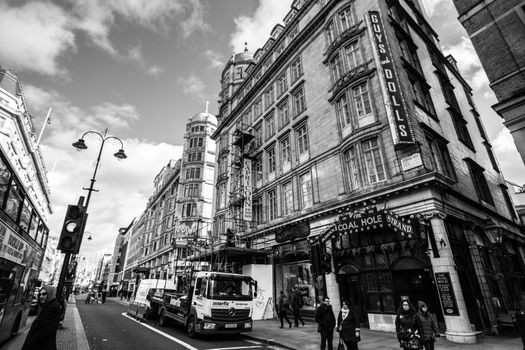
399, 123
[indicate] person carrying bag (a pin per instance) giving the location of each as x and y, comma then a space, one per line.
348, 328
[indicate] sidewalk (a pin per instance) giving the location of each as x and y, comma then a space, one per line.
307, 338
70, 337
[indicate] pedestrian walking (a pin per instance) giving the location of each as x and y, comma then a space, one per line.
88, 298
43, 332
324, 316
297, 304
283, 306
427, 326
104, 294
348, 327
94, 296
407, 327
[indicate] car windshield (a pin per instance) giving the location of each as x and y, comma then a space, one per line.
226, 289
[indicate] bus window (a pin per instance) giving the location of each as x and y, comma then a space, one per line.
14, 201
10, 274
25, 215
5, 175
46, 236
40, 232
33, 225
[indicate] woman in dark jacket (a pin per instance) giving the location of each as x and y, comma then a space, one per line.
43, 332
348, 327
427, 326
407, 328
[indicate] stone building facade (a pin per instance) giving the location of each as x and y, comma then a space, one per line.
350, 149
497, 31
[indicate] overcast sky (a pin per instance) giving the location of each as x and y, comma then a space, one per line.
141, 68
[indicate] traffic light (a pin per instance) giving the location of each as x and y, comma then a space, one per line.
72, 229
315, 259
326, 263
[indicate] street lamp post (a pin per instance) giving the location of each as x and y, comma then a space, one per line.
81, 145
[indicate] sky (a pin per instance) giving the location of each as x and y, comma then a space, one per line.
141, 68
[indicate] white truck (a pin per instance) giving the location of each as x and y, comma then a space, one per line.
207, 302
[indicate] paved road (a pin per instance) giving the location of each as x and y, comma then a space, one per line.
108, 327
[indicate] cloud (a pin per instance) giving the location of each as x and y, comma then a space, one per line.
255, 29
135, 55
508, 156
195, 22
124, 186
216, 59
34, 36
431, 6
193, 86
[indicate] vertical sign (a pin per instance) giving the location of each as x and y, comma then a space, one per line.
247, 188
446, 294
399, 122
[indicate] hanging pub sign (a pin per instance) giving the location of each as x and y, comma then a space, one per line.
247, 189
293, 232
446, 294
400, 126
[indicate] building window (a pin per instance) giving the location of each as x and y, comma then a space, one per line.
343, 111
191, 190
299, 102
296, 70
279, 50
189, 209
460, 125
330, 32
221, 195
272, 205
281, 84
440, 157
346, 19
422, 96
269, 97
480, 182
488, 147
270, 126
353, 55
257, 209
508, 201
337, 67
362, 101
287, 198
409, 53
375, 166
193, 173
284, 116
479, 125
194, 157
352, 163
302, 139
257, 108
448, 90
270, 156
285, 154
293, 33
257, 133
257, 169
305, 181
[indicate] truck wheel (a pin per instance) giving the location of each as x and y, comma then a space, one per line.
162, 319
191, 326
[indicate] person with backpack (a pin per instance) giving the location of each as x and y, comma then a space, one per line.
297, 304
283, 306
324, 316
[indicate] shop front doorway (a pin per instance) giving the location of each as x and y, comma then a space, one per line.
350, 290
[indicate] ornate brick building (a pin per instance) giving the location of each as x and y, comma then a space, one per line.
350, 150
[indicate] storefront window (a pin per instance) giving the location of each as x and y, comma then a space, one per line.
299, 275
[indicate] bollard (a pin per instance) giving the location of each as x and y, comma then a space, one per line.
519, 321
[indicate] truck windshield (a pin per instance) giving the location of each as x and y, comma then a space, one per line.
226, 289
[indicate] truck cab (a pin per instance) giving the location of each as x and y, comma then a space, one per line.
210, 302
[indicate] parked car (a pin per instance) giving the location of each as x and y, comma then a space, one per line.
34, 307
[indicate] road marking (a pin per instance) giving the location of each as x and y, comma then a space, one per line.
252, 341
186, 345
237, 347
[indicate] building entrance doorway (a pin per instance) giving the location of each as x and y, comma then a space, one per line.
350, 290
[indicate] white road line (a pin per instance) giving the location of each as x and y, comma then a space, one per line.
252, 341
186, 345
236, 347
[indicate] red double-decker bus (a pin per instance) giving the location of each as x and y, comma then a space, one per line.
23, 238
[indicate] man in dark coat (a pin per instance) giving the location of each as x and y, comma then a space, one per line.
324, 316
297, 304
282, 308
43, 332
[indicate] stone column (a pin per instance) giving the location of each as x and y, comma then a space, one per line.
332, 291
458, 327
